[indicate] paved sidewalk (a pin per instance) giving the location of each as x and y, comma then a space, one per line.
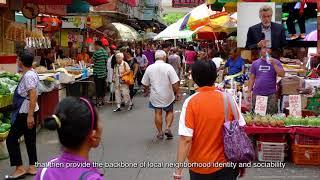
130, 137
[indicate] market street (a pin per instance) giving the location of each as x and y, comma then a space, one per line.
130, 137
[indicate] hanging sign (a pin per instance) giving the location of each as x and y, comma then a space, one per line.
73, 22
295, 105
261, 105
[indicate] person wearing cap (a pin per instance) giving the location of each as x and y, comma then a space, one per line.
23, 118
161, 80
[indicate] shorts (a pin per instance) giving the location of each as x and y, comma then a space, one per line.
166, 109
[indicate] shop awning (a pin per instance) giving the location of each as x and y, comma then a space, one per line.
64, 2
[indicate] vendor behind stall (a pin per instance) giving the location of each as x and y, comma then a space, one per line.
47, 59
263, 77
235, 65
84, 56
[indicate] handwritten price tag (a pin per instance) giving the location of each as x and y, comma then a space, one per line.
295, 105
261, 105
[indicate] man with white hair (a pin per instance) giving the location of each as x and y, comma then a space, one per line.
266, 34
161, 80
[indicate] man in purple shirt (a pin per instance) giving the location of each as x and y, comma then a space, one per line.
149, 53
262, 82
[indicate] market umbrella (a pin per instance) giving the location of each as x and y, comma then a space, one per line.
173, 32
64, 2
198, 17
123, 32
149, 35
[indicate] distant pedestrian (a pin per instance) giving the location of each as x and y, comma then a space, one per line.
175, 61
161, 80
121, 88
100, 58
200, 127
143, 64
79, 130
191, 57
134, 67
149, 53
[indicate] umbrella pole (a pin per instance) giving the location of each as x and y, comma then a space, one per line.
175, 43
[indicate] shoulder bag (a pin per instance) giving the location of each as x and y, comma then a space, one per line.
128, 78
237, 145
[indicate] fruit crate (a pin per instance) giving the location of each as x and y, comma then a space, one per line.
305, 154
6, 100
306, 140
271, 152
278, 138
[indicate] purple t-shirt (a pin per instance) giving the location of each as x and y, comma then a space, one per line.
64, 172
150, 56
266, 77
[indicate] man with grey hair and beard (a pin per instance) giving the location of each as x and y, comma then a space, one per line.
162, 82
266, 34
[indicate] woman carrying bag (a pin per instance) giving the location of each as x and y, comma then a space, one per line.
121, 70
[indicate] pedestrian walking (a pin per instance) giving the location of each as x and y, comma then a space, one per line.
161, 80
191, 56
134, 67
121, 88
23, 119
79, 130
143, 64
110, 66
99, 59
175, 61
201, 127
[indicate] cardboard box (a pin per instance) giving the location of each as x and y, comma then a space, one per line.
290, 85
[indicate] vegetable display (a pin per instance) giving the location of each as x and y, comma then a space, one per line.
281, 121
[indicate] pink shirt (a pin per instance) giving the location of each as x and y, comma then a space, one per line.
190, 57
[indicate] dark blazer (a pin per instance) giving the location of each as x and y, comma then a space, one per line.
278, 36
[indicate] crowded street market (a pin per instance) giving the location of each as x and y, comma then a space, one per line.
84, 85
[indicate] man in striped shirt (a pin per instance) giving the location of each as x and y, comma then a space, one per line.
99, 59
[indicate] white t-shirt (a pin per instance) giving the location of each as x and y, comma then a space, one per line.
160, 76
217, 61
29, 81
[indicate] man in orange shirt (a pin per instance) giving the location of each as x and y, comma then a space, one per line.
201, 129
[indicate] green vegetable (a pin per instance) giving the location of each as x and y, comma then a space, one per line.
5, 126
7, 120
2, 130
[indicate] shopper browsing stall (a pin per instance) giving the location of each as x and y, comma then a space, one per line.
263, 79
23, 119
99, 59
235, 65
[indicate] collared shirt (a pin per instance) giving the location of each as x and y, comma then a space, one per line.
100, 58
58, 169
267, 33
29, 81
160, 76
202, 118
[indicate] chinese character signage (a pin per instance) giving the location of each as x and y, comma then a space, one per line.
261, 105
295, 105
187, 3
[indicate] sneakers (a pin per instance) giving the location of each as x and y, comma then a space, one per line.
168, 133
130, 107
117, 110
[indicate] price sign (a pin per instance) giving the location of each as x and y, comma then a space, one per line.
261, 105
295, 105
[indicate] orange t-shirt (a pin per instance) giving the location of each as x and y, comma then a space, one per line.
202, 118
83, 57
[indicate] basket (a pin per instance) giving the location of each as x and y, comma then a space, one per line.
271, 152
278, 138
3, 136
306, 154
306, 140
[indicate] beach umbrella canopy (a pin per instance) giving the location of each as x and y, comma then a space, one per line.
123, 32
173, 32
198, 17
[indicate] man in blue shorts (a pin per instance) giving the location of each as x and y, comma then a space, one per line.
161, 80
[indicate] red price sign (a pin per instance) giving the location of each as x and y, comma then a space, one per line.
261, 105
295, 105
